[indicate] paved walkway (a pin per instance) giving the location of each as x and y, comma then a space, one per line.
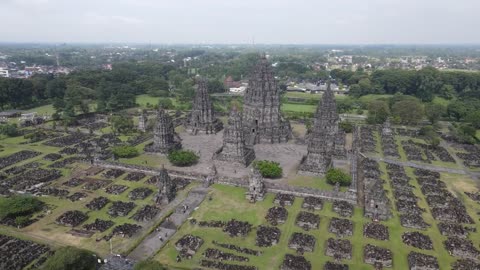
158, 238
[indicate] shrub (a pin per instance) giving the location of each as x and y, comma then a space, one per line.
338, 176
148, 265
346, 126
166, 103
182, 158
269, 169
9, 130
19, 206
125, 151
71, 258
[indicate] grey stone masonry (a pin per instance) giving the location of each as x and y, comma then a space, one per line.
234, 147
256, 187
202, 118
263, 122
142, 121
321, 141
166, 188
164, 137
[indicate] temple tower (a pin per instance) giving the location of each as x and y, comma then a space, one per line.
262, 120
234, 147
164, 137
256, 187
321, 141
142, 121
166, 188
202, 118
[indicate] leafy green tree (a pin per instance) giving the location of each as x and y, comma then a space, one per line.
335, 176
346, 126
19, 206
166, 104
473, 117
9, 130
182, 158
122, 124
71, 258
215, 86
430, 135
434, 112
410, 112
378, 112
149, 265
447, 91
268, 169
457, 110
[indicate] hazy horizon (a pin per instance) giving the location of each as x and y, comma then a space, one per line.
217, 22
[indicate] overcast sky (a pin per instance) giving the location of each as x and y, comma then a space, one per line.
241, 21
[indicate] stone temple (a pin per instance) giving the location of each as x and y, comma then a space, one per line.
164, 137
142, 121
234, 148
256, 187
262, 120
321, 141
166, 188
202, 118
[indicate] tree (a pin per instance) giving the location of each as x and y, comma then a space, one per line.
166, 104
346, 126
215, 86
148, 265
473, 117
434, 112
430, 135
409, 112
182, 158
19, 206
457, 110
71, 258
121, 123
269, 169
335, 176
9, 130
378, 112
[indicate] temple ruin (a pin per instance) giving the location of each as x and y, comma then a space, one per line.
256, 187
234, 147
166, 188
202, 119
164, 137
262, 120
322, 139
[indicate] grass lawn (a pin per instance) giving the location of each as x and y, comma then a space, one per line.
298, 107
229, 202
143, 100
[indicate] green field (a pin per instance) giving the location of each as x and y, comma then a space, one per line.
298, 107
229, 202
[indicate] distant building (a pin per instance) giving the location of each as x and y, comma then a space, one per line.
230, 83
4, 73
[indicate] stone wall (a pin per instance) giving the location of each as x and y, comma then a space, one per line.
330, 195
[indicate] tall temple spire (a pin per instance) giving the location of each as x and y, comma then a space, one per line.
166, 188
164, 137
202, 118
263, 122
234, 147
321, 140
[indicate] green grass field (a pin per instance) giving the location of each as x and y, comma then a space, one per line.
298, 107
229, 202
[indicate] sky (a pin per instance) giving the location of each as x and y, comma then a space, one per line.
241, 21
